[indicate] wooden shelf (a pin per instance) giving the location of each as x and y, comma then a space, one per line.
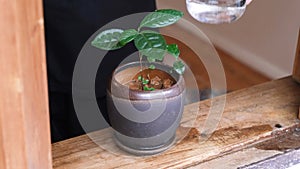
250, 117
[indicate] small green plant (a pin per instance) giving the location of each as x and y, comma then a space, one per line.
149, 43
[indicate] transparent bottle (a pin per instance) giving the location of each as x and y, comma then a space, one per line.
216, 11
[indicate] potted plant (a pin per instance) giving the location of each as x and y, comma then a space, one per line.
145, 98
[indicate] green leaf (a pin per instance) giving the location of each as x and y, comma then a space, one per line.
161, 18
151, 67
148, 88
140, 78
173, 50
151, 59
108, 39
179, 67
145, 81
151, 44
127, 36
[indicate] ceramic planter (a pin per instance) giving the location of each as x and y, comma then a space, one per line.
144, 122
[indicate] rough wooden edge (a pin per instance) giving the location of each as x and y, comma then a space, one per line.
24, 118
296, 71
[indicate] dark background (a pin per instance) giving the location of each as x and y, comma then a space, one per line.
68, 25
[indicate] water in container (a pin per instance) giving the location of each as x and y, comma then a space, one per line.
216, 11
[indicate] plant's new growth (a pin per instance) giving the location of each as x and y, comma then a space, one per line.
149, 43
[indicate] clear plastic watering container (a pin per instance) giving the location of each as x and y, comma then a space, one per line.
216, 11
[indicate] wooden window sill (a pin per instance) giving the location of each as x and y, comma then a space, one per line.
251, 116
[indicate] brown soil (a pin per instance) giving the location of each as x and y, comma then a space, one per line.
155, 78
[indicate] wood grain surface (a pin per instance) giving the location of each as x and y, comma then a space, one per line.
24, 118
282, 141
250, 116
296, 72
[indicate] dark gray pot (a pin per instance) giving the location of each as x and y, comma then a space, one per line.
144, 122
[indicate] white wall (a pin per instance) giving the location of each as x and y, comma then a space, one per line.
264, 38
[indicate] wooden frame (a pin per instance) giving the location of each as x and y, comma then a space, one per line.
296, 72
24, 118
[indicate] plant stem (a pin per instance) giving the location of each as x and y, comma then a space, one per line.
141, 56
